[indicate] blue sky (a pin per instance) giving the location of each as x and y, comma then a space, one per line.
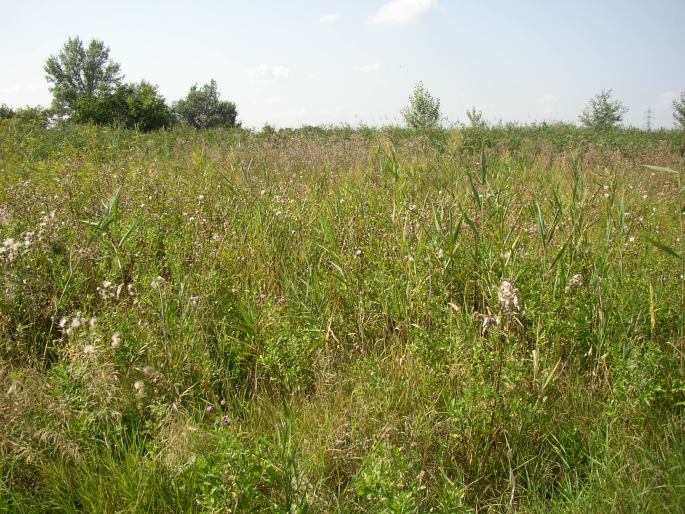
311, 62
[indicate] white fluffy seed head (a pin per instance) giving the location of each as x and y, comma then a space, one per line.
508, 296
139, 387
574, 282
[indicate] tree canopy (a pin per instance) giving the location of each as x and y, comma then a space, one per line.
78, 72
602, 112
679, 110
423, 111
137, 106
202, 108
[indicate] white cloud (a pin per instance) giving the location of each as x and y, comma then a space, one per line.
369, 68
328, 19
271, 100
401, 12
265, 74
548, 103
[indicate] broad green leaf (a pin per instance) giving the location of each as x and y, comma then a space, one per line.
483, 167
471, 224
474, 192
660, 168
541, 222
663, 248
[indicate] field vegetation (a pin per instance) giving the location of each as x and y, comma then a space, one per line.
341, 320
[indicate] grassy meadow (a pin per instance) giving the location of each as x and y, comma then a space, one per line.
338, 320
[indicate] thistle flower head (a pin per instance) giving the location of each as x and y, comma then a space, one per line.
157, 283
150, 372
508, 296
139, 387
574, 282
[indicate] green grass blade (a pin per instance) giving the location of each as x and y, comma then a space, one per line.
664, 248
661, 169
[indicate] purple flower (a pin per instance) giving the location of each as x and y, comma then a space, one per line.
209, 409
225, 421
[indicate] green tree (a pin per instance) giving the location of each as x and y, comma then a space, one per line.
138, 106
77, 72
423, 111
202, 108
679, 110
147, 108
602, 112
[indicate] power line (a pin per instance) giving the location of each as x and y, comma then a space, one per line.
649, 116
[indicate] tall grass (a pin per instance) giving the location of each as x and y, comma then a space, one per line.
338, 320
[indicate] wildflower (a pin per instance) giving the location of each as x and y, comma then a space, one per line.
89, 350
116, 340
225, 421
575, 281
10, 249
508, 297
209, 409
106, 291
358, 253
92, 323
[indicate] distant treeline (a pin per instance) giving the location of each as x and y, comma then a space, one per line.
89, 88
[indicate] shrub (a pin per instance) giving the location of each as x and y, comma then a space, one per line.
423, 111
6, 112
202, 108
602, 112
130, 105
679, 110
